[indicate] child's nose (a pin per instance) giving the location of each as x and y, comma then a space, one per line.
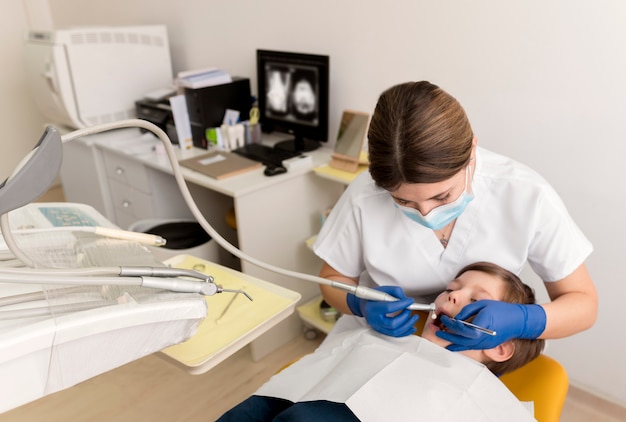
453, 297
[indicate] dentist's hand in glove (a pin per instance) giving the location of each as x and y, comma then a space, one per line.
390, 318
508, 320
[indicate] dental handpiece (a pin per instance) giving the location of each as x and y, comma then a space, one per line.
372, 294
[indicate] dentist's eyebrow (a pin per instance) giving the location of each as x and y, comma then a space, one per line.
434, 197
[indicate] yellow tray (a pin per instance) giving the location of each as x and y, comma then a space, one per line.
222, 334
310, 313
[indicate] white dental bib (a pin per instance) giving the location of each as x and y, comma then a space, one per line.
386, 378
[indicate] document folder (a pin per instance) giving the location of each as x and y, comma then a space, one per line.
220, 164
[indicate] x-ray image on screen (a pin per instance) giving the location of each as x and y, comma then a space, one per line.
304, 94
292, 93
293, 96
278, 81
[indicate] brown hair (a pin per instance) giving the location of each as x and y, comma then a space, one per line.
418, 134
515, 292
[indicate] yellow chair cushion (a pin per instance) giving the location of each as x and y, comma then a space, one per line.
543, 381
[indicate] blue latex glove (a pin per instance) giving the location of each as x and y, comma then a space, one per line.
381, 316
508, 320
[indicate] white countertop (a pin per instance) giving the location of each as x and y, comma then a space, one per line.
145, 149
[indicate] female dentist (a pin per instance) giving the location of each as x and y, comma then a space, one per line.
433, 202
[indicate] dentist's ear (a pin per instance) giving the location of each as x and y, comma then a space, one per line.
500, 353
474, 143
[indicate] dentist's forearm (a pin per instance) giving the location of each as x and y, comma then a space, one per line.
574, 306
335, 297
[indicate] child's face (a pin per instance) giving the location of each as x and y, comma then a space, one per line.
469, 287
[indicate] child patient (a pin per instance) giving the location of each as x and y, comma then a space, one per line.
359, 374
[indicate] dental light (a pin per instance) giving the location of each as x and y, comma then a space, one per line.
38, 170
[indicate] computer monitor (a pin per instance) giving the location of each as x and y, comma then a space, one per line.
293, 93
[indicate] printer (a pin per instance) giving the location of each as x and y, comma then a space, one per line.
93, 75
159, 113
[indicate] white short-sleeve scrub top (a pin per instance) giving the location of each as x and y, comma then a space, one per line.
515, 217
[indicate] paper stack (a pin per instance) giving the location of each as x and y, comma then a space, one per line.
202, 78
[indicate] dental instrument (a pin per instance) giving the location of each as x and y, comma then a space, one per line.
39, 169
377, 295
143, 238
231, 302
164, 278
476, 327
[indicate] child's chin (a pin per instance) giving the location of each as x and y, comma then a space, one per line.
429, 334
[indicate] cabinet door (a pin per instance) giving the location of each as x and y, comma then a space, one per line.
130, 204
124, 169
139, 192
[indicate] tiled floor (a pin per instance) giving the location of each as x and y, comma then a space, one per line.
583, 407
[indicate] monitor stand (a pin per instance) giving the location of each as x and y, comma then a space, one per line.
298, 144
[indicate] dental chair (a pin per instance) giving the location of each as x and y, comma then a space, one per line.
544, 382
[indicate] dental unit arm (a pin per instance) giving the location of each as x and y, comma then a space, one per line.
39, 169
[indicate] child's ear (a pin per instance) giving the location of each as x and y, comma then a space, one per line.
501, 353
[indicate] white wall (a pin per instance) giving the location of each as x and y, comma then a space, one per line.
542, 81
21, 124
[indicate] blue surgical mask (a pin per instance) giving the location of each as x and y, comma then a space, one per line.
440, 217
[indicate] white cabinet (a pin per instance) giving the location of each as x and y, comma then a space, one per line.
100, 172
129, 188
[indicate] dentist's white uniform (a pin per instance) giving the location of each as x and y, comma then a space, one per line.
515, 217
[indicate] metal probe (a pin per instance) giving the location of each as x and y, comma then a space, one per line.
476, 327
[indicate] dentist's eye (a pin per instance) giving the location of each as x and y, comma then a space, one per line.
443, 198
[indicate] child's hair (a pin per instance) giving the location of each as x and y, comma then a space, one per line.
516, 292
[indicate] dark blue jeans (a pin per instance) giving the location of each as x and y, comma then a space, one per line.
265, 409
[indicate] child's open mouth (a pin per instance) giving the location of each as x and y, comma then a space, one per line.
437, 320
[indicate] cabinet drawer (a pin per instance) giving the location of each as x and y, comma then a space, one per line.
123, 219
131, 201
127, 171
